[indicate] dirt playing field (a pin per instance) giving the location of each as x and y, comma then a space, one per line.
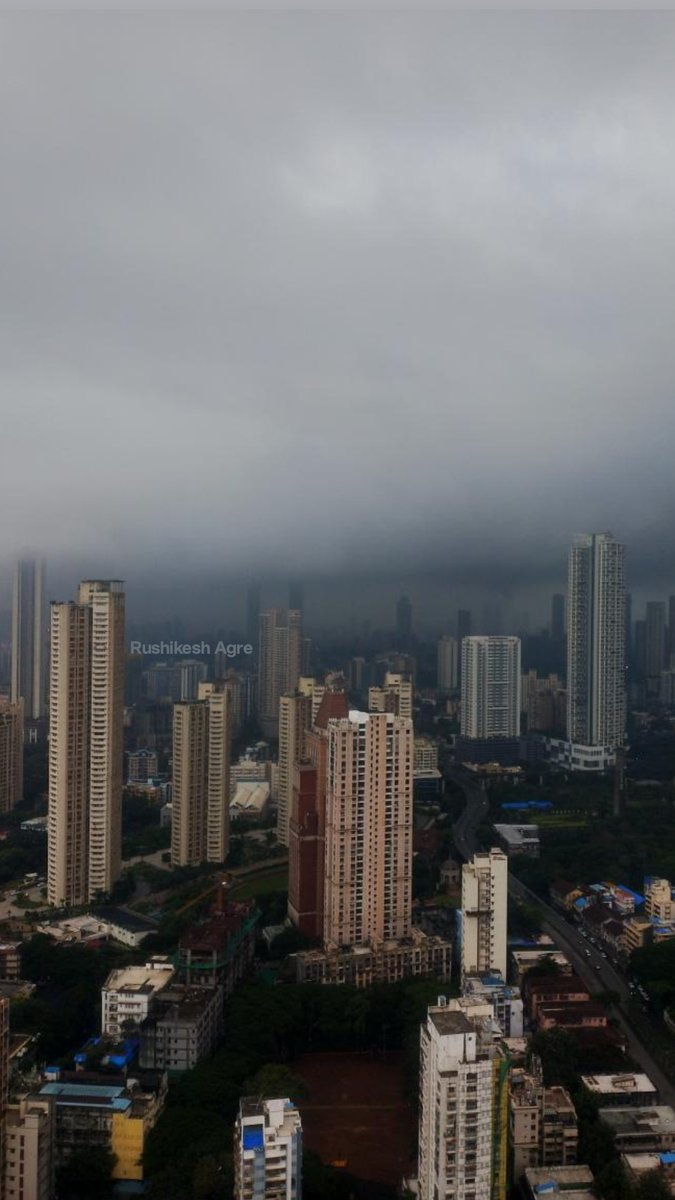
356, 1112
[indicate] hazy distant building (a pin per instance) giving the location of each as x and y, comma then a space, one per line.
29, 642
463, 624
404, 621
490, 687
142, 764
253, 609
296, 595
202, 730
395, 695
297, 711
671, 631
192, 673
596, 702
655, 643
639, 658
447, 671
280, 655
369, 823
86, 743
484, 914
11, 754
558, 617
543, 703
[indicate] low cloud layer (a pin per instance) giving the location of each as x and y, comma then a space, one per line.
332, 292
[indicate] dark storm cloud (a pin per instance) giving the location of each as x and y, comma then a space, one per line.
337, 291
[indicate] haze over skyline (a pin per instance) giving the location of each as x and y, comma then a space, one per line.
380, 298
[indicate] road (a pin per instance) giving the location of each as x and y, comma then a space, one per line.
597, 972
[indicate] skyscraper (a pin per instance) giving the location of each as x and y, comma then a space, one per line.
202, 730
558, 617
307, 823
596, 703
491, 686
369, 821
463, 1124
29, 638
279, 663
484, 913
86, 743
655, 643
671, 631
447, 677
297, 711
11, 754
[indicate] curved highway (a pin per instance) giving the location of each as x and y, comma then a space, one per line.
597, 972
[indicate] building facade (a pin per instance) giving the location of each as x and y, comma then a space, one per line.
369, 824
297, 712
394, 696
596, 660
280, 663
86, 743
29, 1149
447, 664
463, 1124
484, 914
491, 683
11, 754
202, 734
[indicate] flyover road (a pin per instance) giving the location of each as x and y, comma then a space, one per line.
597, 972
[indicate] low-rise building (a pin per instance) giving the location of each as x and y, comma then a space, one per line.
115, 924
10, 960
637, 932
563, 893
184, 1027
638, 1129
558, 1183
524, 959
114, 1114
659, 902
618, 1090
543, 1124
553, 990
251, 801
128, 995
585, 1015
637, 1165
219, 951
385, 962
518, 839
267, 1150
29, 1149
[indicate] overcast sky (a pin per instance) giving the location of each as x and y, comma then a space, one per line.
337, 293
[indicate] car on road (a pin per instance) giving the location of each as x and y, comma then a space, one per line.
598, 966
